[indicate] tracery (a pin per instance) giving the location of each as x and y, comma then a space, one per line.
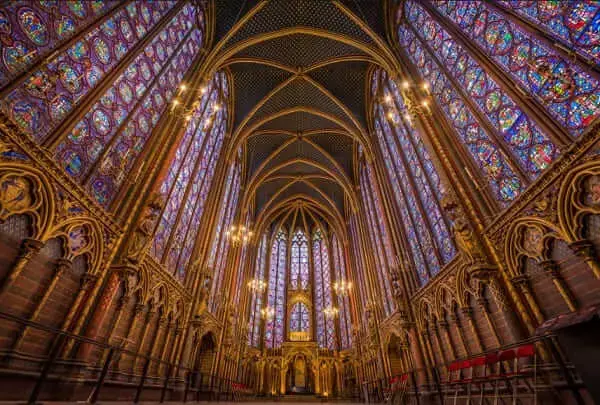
323, 295
274, 328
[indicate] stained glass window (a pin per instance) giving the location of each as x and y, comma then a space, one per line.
276, 290
322, 292
496, 167
572, 23
37, 28
380, 242
188, 181
343, 301
299, 273
414, 179
359, 257
44, 97
257, 299
220, 242
299, 318
561, 85
528, 146
102, 148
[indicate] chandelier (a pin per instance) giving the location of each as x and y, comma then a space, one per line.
267, 313
256, 285
342, 288
239, 234
412, 108
330, 312
188, 113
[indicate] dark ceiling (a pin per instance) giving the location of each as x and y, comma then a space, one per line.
299, 70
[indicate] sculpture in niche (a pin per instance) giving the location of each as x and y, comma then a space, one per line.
204, 293
396, 285
372, 325
463, 232
229, 329
145, 229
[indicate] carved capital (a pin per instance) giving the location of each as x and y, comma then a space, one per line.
62, 265
584, 249
122, 302
87, 281
138, 308
552, 268
522, 282
30, 247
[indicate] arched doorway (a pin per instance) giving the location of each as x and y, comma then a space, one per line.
395, 355
299, 376
204, 359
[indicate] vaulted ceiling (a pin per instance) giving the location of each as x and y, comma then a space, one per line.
300, 78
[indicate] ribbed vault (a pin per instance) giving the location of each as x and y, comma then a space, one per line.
299, 73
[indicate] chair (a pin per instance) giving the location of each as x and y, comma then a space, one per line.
462, 368
490, 372
525, 352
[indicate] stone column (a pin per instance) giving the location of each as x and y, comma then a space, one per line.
586, 251
145, 329
523, 285
552, 269
62, 265
468, 314
483, 304
86, 283
29, 249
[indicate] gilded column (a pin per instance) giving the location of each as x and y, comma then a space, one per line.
85, 284
137, 311
417, 356
455, 320
159, 335
121, 304
447, 338
523, 285
483, 304
468, 315
169, 335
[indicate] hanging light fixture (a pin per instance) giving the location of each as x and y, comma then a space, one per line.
267, 313
239, 234
257, 285
342, 288
330, 312
413, 108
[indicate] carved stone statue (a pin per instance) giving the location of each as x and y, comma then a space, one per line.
465, 239
229, 331
203, 294
372, 326
145, 229
397, 290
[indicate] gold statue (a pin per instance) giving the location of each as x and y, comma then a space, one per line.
145, 229
465, 238
203, 294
